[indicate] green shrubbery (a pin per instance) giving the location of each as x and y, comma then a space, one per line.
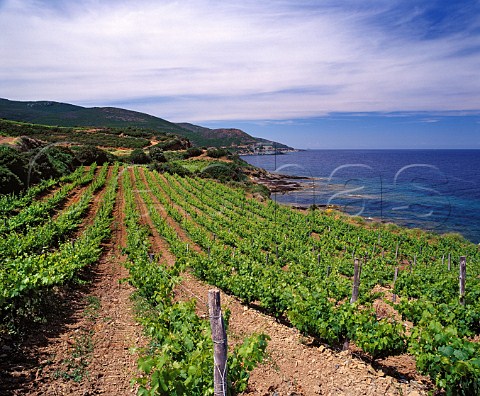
138, 156
157, 154
171, 167
223, 172
193, 152
217, 152
20, 169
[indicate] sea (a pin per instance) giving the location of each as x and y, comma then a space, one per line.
435, 190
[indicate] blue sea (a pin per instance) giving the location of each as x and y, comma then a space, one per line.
436, 190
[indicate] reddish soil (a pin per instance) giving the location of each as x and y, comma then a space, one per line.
85, 346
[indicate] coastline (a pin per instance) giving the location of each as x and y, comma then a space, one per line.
285, 184
276, 182
434, 190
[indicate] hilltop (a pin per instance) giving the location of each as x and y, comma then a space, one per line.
69, 115
225, 137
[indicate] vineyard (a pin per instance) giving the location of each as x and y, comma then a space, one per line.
286, 271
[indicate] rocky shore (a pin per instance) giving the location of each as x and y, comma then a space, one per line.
276, 182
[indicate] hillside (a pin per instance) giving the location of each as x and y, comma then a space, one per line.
203, 136
109, 138
68, 115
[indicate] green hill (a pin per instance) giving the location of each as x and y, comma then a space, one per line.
68, 115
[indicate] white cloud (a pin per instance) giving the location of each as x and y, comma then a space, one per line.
209, 60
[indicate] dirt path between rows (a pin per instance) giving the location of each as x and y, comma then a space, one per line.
85, 348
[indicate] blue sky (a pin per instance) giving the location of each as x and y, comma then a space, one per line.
311, 74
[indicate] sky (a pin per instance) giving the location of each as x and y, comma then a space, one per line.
310, 74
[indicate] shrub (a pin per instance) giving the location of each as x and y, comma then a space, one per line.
156, 154
9, 181
172, 168
223, 172
217, 152
88, 154
138, 156
14, 161
193, 152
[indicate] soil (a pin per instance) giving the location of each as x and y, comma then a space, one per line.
88, 344
97, 319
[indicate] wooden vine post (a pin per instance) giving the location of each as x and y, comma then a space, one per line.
395, 276
356, 281
463, 275
356, 284
219, 338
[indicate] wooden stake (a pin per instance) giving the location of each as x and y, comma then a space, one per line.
449, 261
396, 252
219, 338
394, 296
463, 275
356, 281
